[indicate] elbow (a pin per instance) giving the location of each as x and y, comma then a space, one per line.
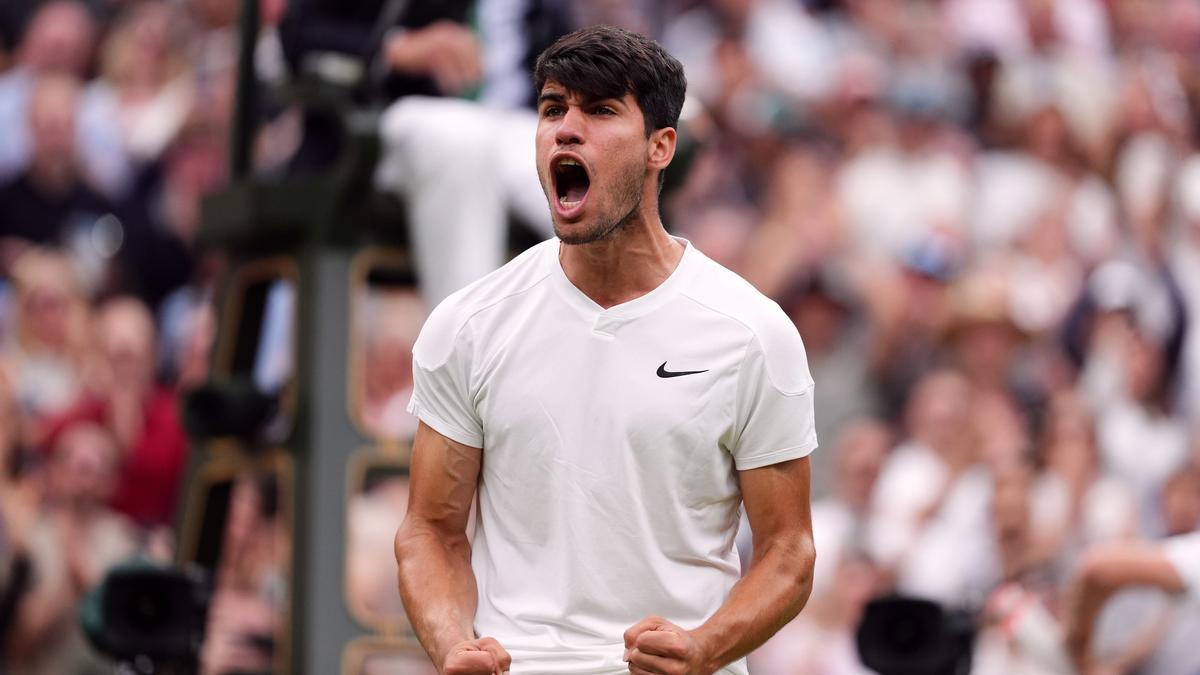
799, 564
795, 559
806, 561
409, 537
401, 543
417, 535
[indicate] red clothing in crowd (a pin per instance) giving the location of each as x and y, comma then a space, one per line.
148, 490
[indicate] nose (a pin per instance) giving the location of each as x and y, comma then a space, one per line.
570, 128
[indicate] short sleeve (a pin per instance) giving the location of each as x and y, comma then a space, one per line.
1183, 552
774, 419
442, 395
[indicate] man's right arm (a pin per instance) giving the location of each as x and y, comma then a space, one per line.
434, 555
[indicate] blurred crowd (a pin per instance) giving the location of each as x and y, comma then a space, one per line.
115, 120
982, 215
983, 218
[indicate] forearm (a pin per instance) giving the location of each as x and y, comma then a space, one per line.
437, 586
1086, 599
771, 594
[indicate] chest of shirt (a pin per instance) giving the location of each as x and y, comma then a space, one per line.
656, 392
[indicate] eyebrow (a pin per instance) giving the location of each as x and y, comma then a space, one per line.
559, 97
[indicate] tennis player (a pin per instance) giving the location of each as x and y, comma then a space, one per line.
613, 397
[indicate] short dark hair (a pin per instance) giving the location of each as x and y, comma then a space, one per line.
608, 62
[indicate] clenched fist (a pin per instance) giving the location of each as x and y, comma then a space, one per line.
484, 656
655, 645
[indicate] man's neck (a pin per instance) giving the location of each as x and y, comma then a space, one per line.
628, 264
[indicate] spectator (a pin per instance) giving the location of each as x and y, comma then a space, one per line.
45, 356
1018, 632
1170, 565
1075, 503
981, 333
437, 149
75, 540
801, 226
908, 306
1021, 556
49, 201
1168, 647
1138, 437
912, 187
145, 81
58, 40
778, 41
929, 511
52, 203
141, 414
1164, 638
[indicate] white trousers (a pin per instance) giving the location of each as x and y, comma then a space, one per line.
461, 169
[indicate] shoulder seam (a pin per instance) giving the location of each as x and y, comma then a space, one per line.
462, 324
467, 319
714, 310
754, 339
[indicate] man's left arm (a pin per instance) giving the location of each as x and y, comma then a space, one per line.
772, 592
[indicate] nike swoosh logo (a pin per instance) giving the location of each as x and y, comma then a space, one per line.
663, 372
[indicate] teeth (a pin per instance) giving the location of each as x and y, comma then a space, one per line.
568, 204
568, 162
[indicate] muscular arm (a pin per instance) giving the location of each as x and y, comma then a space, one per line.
772, 592
434, 555
778, 583
1105, 571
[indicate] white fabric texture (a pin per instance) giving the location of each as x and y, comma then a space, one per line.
608, 492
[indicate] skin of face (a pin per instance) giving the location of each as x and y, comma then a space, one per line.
52, 122
85, 465
126, 337
608, 137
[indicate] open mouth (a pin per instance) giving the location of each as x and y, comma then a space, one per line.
571, 182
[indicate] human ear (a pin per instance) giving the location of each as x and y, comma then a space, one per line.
661, 148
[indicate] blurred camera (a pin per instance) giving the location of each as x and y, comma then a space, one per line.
909, 636
147, 614
235, 408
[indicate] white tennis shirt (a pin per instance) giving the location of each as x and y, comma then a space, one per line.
610, 441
